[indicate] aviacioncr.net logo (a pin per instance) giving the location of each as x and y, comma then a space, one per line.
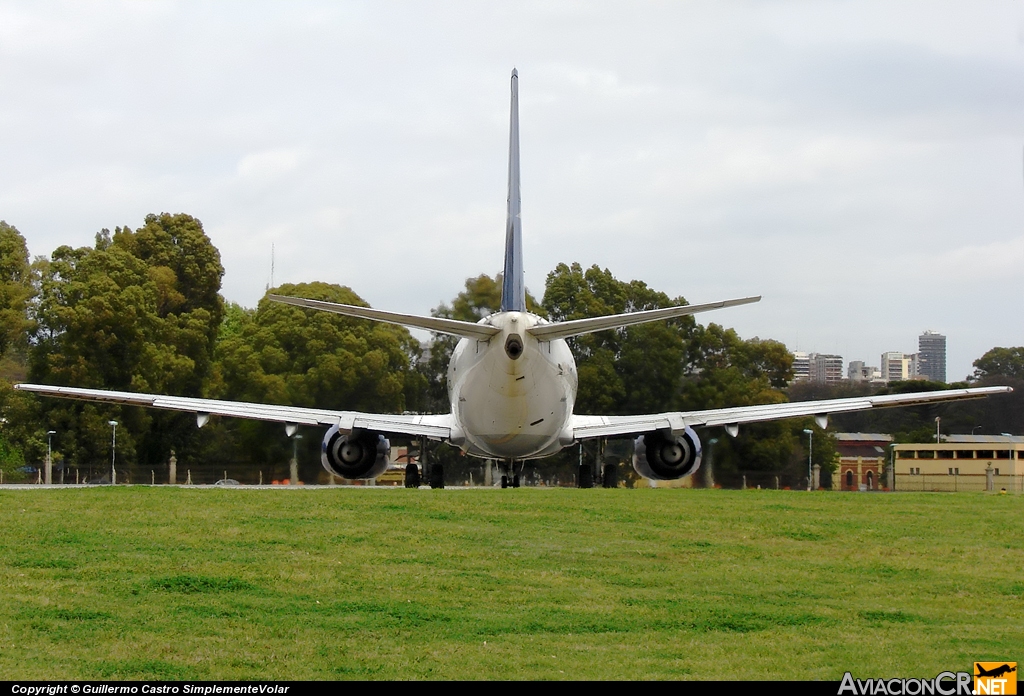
944, 684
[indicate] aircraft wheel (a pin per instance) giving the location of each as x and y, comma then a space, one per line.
412, 476
611, 476
504, 481
437, 476
515, 481
586, 477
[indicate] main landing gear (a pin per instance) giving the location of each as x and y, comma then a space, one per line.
412, 475
586, 476
437, 476
434, 473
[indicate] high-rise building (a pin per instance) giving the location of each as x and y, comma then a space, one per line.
931, 347
897, 366
817, 367
827, 369
801, 366
856, 370
859, 372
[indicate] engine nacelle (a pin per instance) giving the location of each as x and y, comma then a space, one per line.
665, 458
361, 454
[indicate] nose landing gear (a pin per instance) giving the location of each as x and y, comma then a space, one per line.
509, 478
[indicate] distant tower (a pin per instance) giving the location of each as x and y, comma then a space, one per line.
896, 366
801, 366
825, 369
931, 346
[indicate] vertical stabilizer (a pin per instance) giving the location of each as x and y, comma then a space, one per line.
513, 287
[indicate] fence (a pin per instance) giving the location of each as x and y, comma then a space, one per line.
244, 473
957, 482
755, 479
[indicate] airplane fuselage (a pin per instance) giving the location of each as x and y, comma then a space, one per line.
512, 396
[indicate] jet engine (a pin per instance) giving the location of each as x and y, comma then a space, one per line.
360, 454
662, 457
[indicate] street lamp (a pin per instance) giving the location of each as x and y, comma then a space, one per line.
113, 450
937, 431
975, 428
810, 450
49, 456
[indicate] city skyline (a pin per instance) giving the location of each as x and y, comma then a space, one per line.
928, 363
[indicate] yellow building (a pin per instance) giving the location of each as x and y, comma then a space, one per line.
961, 463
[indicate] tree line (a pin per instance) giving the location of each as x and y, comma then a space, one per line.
141, 310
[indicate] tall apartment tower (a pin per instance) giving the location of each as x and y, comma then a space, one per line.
931, 347
817, 367
801, 366
826, 369
897, 366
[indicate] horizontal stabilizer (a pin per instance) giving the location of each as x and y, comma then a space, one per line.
565, 329
464, 329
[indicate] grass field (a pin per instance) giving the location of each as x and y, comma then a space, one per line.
333, 583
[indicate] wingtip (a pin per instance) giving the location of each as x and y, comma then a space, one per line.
515, 73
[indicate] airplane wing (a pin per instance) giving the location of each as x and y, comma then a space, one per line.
432, 426
584, 427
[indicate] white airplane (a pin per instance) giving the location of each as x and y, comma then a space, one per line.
511, 384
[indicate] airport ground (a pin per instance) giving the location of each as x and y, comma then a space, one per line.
142, 582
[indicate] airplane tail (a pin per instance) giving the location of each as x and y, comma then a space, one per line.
513, 286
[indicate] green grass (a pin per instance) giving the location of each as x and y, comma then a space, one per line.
174, 583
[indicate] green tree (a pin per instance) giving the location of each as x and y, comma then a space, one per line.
15, 289
724, 370
824, 451
138, 311
282, 354
22, 432
1005, 362
673, 365
638, 369
294, 356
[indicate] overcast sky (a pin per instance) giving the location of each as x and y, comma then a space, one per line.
857, 164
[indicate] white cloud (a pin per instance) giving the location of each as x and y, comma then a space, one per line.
271, 164
1001, 260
